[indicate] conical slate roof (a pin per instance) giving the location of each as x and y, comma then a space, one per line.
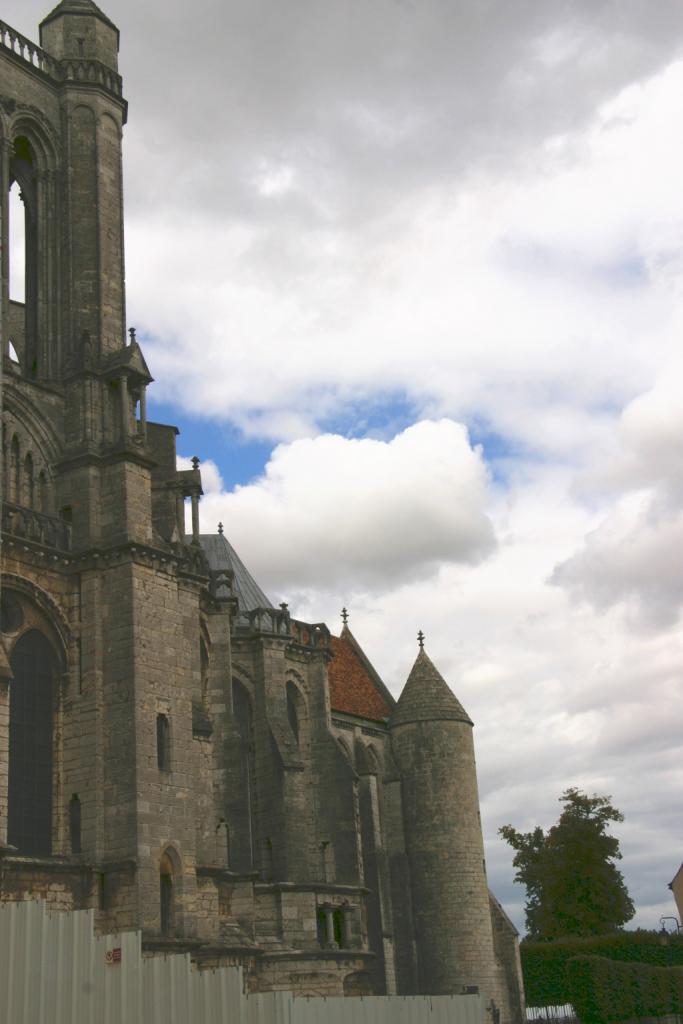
77, 7
427, 697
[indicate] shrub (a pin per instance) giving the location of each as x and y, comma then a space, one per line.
606, 991
544, 963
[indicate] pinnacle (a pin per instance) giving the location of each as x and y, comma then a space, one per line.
426, 697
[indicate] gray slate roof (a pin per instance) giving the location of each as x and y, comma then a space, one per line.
221, 555
427, 697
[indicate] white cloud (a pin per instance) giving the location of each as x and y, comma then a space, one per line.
333, 512
536, 306
632, 558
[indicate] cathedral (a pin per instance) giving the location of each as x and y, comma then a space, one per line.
177, 753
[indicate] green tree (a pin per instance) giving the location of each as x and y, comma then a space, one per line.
572, 884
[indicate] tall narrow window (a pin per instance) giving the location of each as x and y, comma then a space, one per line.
204, 670
42, 491
163, 744
167, 908
327, 872
14, 471
17, 244
266, 866
31, 713
292, 714
24, 257
102, 891
243, 826
75, 823
223, 844
29, 482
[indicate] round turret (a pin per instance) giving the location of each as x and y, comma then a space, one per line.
431, 739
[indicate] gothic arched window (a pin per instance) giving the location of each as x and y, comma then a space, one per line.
166, 895
17, 252
24, 260
31, 715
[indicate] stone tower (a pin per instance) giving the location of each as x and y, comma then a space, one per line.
432, 745
176, 752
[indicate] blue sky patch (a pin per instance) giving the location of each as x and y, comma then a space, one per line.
239, 460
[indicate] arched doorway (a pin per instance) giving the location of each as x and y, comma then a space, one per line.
31, 717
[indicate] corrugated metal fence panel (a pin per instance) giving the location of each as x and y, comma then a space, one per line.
385, 1010
115, 983
53, 970
66, 980
167, 990
218, 996
45, 965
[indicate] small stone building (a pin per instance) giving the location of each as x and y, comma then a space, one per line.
175, 752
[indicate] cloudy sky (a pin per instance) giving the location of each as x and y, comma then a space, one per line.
408, 274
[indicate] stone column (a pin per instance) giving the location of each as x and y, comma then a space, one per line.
329, 926
346, 926
195, 517
5, 678
5, 151
125, 408
180, 514
142, 427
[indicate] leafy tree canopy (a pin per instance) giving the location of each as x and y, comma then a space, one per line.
572, 884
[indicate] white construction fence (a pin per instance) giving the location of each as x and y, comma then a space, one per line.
55, 970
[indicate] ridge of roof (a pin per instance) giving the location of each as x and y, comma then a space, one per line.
427, 697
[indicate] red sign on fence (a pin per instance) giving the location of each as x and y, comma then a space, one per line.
113, 956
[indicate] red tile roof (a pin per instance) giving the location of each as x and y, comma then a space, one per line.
352, 689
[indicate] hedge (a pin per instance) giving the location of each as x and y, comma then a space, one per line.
544, 963
605, 991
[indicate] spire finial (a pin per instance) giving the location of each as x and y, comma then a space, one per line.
195, 461
131, 331
345, 616
421, 640
220, 529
